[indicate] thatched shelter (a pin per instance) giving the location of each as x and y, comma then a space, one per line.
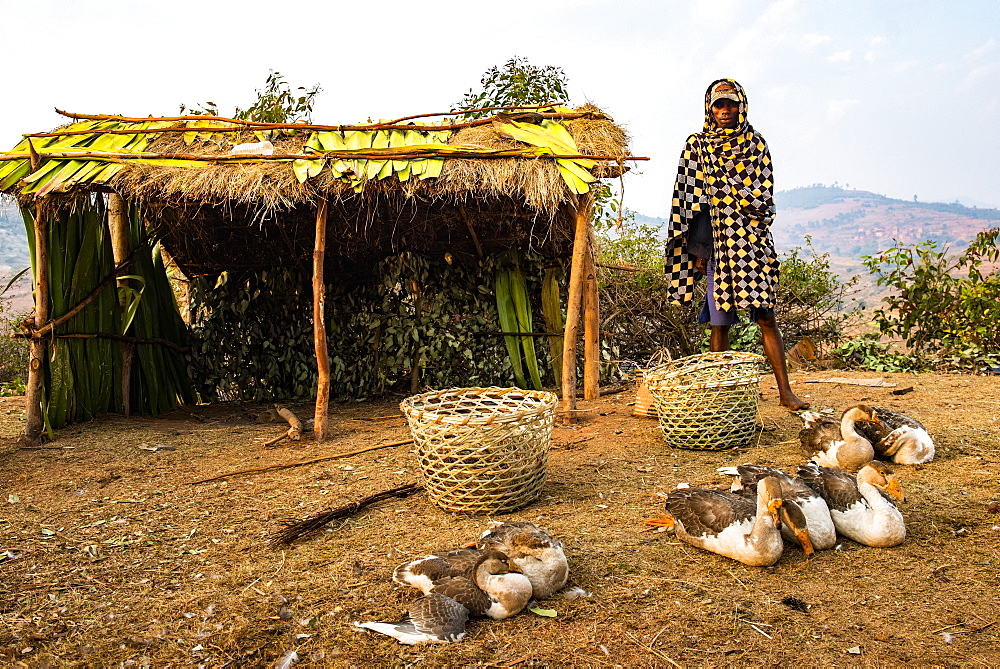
225, 195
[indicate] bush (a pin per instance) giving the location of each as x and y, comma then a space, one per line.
812, 300
946, 308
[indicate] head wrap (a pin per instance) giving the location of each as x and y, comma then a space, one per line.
727, 171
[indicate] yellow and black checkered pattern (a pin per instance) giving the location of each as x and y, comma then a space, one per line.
729, 172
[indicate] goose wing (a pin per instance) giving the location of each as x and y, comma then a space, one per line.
819, 433
465, 592
838, 488
708, 512
424, 572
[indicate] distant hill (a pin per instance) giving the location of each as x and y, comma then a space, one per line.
852, 223
14, 256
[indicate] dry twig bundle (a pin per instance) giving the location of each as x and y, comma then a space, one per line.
296, 529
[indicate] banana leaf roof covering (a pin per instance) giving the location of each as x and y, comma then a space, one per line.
222, 186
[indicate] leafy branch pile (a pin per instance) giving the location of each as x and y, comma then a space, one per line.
415, 319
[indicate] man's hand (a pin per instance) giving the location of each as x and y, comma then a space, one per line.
701, 264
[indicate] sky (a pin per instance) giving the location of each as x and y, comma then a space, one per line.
897, 97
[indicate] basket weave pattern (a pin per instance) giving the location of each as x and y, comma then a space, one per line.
482, 450
707, 401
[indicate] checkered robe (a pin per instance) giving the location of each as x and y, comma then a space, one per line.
728, 172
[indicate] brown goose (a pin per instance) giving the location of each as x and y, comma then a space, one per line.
837, 444
861, 507
459, 584
535, 552
433, 618
794, 491
898, 437
729, 524
479, 580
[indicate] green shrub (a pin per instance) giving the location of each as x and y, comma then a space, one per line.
945, 308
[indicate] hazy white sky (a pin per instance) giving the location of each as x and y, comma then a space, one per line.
901, 98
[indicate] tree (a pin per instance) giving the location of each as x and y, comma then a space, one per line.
275, 104
517, 84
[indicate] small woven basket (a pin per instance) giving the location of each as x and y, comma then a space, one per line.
482, 450
707, 401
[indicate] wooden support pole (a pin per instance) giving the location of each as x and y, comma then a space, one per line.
37, 352
591, 328
574, 301
118, 226
319, 326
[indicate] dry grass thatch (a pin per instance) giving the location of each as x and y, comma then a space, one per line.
271, 185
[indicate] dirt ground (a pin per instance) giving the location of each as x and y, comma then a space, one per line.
110, 557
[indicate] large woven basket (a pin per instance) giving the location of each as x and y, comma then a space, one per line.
707, 401
482, 450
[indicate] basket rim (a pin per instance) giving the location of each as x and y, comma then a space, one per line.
662, 374
545, 401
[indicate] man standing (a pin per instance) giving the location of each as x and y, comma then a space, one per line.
720, 226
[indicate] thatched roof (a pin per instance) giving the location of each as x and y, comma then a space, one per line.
405, 184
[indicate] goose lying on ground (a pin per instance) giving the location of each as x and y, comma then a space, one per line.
794, 491
729, 524
479, 580
861, 507
898, 437
457, 585
833, 443
534, 551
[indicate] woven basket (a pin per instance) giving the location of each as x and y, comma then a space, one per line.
482, 450
707, 401
645, 405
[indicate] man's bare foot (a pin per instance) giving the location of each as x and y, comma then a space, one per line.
791, 402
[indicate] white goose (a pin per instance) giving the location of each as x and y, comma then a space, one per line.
794, 491
729, 524
898, 437
534, 551
861, 507
832, 443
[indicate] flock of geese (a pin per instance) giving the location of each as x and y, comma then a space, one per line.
512, 563
843, 489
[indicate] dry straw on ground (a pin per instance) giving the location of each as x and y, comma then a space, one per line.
110, 557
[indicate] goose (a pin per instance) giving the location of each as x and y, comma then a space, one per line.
729, 524
861, 507
535, 552
794, 491
833, 444
898, 437
479, 580
433, 618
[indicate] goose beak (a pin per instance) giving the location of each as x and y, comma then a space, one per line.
895, 489
772, 508
802, 534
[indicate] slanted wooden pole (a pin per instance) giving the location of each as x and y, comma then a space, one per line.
319, 326
574, 301
591, 328
118, 226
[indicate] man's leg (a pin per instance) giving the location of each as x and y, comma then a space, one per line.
719, 340
774, 349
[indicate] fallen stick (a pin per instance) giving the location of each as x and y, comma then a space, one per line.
272, 442
398, 415
288, 465
296, 529
295, 425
